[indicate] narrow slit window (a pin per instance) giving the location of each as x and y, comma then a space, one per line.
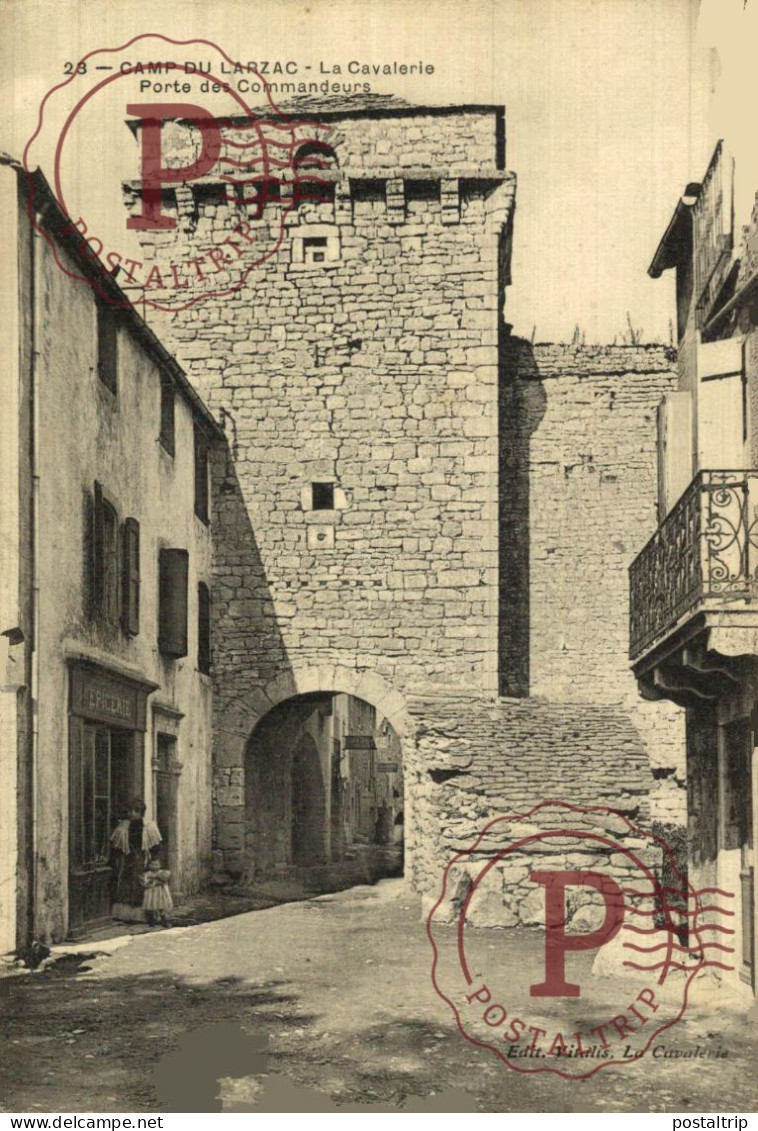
167, 415
107, 346
202, 491
203, 628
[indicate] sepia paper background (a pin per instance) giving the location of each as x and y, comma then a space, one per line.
608, 115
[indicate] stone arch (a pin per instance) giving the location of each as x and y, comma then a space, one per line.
362, 684
280, 765
314, 156
314, 165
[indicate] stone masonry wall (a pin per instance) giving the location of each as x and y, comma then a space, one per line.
478, 761
577, 503
376, 371
385, 369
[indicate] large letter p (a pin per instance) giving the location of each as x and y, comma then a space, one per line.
154, 175
557, 942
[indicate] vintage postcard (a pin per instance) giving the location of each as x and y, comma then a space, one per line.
379, 530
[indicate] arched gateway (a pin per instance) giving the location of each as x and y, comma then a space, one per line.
323, 793
320, 792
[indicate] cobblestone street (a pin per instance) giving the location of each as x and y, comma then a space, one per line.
325, 1004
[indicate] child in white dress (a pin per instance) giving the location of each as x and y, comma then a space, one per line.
157, 898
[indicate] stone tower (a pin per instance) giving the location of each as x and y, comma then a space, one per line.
379, 522
357, 373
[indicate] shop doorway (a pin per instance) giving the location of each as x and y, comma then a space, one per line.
166, 792
105, 774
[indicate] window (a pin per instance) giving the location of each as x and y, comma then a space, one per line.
314, 164
203, 628
201, 474
101, 757
105, 563
314, 249
107, 345
165, 756
366, 191
130, 578
315, 244
173, 569
210, 193
115, 560
167, 415
313, 157
322, 496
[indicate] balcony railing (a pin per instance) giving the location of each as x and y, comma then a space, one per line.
704, 553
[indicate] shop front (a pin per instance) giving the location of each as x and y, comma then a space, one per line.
107, 724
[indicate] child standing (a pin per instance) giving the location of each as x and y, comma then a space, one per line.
157, 898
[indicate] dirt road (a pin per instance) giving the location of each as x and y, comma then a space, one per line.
325, 1004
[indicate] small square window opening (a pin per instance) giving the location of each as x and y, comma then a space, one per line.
322, 496
314, 249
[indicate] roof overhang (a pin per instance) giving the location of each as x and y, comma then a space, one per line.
669, 251
45, 212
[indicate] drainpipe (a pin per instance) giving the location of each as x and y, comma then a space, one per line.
37, 290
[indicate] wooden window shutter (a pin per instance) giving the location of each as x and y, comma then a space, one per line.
107, 345
173, 570
98, 552
675, 468
167, 415
203, 628
201, 475
130, 578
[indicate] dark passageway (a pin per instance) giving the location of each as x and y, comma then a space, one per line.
323, 794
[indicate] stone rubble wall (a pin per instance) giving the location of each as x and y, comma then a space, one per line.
477, 761
452, 142
499, 879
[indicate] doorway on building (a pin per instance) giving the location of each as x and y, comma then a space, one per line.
166, 783
308, 799
323, 794
105, 775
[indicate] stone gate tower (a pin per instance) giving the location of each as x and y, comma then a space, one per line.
373, 506
357, 374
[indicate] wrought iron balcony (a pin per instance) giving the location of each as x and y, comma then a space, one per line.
702, 557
